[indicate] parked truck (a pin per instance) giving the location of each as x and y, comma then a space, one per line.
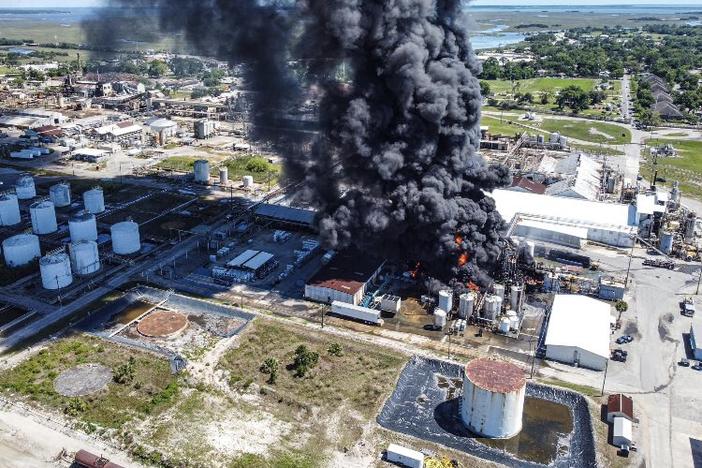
363, 314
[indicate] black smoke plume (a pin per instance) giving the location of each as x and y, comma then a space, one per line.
393, 168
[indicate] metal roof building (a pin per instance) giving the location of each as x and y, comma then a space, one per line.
619, 405
579, 331
343, 279
608, 223
285, 214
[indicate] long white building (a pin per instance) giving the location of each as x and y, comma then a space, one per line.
567, 221
579, 331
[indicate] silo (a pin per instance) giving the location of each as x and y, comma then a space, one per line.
25, 188
503, 326
666, 242
21, 249
82, 226
493, 398
223, 175
9, 210
439, 318
85, 258
513, 320
499, 290
690, 226
555, 137
125, 238
248, 181
60, 194
515, 296
43, 217
55, 271
675, 193
94, 200
202, 171
492, 307
466, 303
446, 300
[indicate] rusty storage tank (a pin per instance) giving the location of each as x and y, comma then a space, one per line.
493, 398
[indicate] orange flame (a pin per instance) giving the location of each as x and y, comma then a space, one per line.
472, 286
458, 239
415, 272
463, 259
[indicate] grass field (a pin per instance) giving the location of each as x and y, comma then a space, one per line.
539, 85
590, 131
151, 391
505, 90
239, 166
686, 168
597, 149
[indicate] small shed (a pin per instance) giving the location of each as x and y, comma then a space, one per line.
622, 432
404, 456
619, 406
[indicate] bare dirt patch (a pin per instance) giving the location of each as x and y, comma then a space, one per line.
82, 380
163, 324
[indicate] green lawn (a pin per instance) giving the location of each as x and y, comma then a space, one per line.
239, 166
590, 131
686, 168
152, 389
504, 127
597, 149
539, 85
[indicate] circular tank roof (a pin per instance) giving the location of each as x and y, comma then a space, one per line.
495, 375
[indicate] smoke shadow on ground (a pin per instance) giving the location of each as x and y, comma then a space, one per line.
696, 446
420, 408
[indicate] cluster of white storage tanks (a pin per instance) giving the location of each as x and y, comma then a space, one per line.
9, 209
493, 398
55, 270
125, 238
83, 226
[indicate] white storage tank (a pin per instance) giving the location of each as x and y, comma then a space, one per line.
499, 290
493, 398
94, 200
85, 258
439, 318
492, 307
9, 210
223, 175
466, 303
21, 249
513, 320
248, 181
60, 194
202, 171
43, 217
515, 297
25, 188
503, 326
446, 300
125, 238
82, 226
555, 137
55, 271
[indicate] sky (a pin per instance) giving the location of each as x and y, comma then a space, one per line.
80, 3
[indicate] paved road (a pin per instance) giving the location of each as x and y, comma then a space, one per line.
626, 96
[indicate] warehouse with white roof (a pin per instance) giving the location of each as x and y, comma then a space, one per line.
578, 331
567, 221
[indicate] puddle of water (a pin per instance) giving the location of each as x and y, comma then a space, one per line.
544, 432
131, 312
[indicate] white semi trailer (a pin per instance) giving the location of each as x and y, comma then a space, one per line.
357, 312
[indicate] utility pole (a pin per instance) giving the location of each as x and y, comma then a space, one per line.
604, 379
628, 268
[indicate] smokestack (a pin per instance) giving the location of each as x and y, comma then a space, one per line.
394, 166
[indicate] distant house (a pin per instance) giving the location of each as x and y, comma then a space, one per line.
668, 111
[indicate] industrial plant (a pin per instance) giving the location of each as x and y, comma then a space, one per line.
262, 258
